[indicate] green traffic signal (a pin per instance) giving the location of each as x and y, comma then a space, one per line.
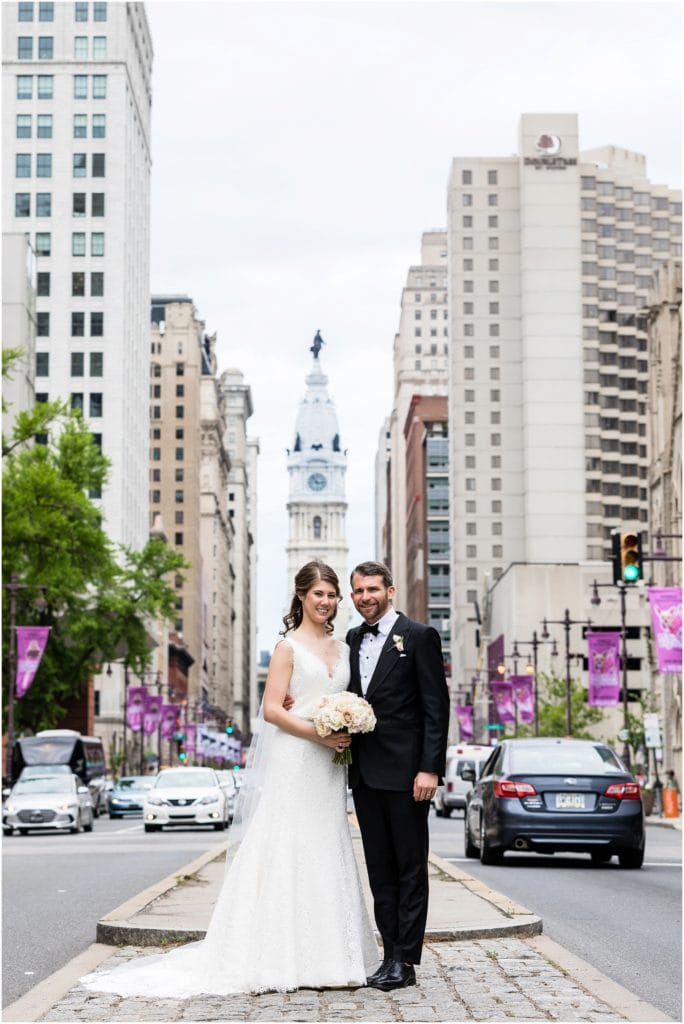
182, 755
630, 557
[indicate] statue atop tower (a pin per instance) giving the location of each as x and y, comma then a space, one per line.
317, 345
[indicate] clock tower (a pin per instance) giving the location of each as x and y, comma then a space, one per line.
317, 508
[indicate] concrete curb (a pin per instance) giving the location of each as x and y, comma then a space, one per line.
43, 996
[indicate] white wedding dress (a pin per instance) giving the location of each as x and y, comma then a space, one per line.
291, 913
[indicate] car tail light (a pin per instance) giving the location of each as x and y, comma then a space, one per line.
506, 787
624, 790
450, 787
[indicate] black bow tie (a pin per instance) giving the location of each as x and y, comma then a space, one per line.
365, 627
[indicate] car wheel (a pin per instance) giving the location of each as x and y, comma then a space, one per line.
114, 817
601, 857
153, 828
76, 827
447, 812
219, 826
470, 848
487, 854
439, 812
96, 811
89, 826
23, 831
7, 831
631, 858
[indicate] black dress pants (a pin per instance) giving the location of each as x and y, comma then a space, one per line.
395, 844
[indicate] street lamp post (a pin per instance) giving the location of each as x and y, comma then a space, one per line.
566, 622
596, 601
535, 643
14, 586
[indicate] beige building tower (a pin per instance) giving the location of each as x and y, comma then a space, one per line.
551, 256
317, 507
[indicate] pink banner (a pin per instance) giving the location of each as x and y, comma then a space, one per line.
523, 693
169, 714
152, 716
31, 642
502, 693
464, 714
136, 707
604, 669
190, 740
666, 614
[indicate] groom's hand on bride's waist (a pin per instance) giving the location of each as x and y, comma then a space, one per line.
424, 786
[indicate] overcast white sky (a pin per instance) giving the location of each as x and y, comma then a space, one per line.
301, 149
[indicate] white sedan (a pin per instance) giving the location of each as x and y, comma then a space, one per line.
185, 796
48, 803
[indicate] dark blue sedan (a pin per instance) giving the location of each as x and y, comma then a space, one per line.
550, 795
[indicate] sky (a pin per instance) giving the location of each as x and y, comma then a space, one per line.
299, 152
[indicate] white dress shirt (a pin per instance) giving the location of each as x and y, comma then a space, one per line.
371, 646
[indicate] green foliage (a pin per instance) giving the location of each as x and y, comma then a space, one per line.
99, 600
552, 709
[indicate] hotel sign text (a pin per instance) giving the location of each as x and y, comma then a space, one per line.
552, 163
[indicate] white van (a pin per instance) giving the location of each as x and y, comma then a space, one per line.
452, 795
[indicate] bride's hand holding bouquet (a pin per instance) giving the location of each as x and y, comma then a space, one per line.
339, 716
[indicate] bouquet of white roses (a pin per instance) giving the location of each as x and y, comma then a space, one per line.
343, 712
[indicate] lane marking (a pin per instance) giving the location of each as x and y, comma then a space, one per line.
646, 864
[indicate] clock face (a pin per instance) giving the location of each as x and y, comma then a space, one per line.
317, 481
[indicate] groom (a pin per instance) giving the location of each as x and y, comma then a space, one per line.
396, 664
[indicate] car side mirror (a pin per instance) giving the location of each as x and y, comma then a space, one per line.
83, 789
468, 775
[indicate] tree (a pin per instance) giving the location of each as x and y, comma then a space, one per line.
552, 709
99, 600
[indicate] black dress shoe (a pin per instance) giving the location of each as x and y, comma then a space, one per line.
376, 975
397, 975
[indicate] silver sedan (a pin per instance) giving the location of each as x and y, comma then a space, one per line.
48, 803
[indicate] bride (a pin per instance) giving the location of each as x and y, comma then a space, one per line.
291, 912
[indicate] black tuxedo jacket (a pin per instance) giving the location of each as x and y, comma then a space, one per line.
409, 695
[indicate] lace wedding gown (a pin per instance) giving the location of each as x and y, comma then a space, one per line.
291, 912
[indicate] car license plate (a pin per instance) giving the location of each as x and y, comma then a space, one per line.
571, 801
36, 817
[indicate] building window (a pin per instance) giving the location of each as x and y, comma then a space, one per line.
178, 539
469, 396
97, 283
96, 364
100, 11
493, 286
78, 283
78, 243
24, 128
492, 177
80, 87
25, 12
23, 165
180, 454
180, 412
497, 529
178, 516
45, 87
96, 404
417, 333
25, 48
79, 164
180, 433
466, 177
22, 204
179, 474
98, 165
80, 47
180, 369
97, 204
43, 204
156, 497
78, 204
44, 126
45, 47
43, 283
77, 400
467, 199
97, 243
99, 87
42, 325
468, 242
494, 308
46, 12
468, 308
43, 243
99, 126
496, 483
77, 364
178, 496
493, 330
96, 325
180, 390
42, 364
495, 440
468, 264
24, 87
80, 126
81, 10
471, 529
99, 47
493, 265
77, 325
44, 165
492, 199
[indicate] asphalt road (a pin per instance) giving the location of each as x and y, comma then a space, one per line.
56, 888
627, 924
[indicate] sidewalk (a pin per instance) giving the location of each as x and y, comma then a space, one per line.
485, 959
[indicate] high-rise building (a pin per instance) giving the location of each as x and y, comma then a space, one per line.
551, 255
421, 366
242, 451
18, 325
317, 507
76, 163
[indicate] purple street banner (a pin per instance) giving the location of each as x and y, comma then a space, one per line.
666, 614
169, 714
604, 669
464, 714
502, 694
136, 707
152, 716
190, 740
523, 693
31, 642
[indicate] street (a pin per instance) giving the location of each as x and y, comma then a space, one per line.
627, 924
56, 888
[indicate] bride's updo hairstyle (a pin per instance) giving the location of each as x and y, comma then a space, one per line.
307, 576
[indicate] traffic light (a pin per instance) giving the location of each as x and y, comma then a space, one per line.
628, 565
180, 749
229, 727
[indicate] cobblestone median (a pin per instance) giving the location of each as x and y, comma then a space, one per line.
487, 979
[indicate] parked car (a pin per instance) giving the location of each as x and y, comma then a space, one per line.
451, 795
128, 795
229, 784
551, 795
185, 796
52, 748
58, 800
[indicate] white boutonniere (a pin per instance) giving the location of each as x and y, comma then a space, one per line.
398, 642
